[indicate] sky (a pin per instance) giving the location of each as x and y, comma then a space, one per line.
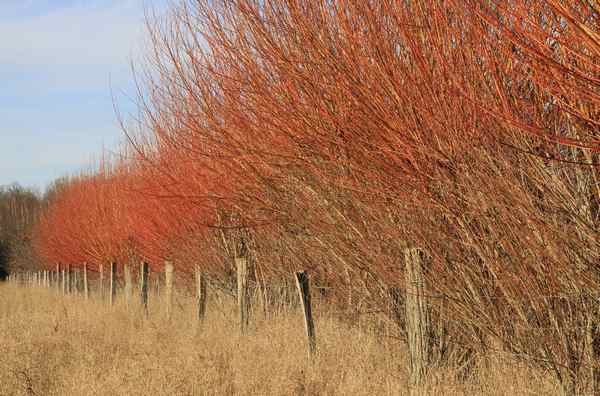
62, 64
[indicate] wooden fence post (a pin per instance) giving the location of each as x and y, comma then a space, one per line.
144, 286
113, 282
76, 281
157, 284
69, 279
201, 293
101, 285
418, 325
243, 294
64, 281
128, 286
169, 288
303, 284
86, 290
57, 277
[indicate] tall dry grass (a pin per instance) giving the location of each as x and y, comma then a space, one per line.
63, 345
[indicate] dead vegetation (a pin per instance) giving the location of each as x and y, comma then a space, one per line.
63, 345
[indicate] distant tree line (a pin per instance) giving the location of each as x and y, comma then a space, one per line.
20, 209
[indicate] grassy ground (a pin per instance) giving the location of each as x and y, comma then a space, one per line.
56, 345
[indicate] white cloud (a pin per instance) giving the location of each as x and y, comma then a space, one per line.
73, 46
73, 36
56, 57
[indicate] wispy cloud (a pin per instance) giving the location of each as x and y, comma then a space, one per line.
58, 59
73, 41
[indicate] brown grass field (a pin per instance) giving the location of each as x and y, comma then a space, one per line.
63, 345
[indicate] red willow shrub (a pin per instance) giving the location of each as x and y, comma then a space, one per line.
84, 223
331, 135
363, 123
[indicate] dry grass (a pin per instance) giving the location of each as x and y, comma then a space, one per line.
55, 345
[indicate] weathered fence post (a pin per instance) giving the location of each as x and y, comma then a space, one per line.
169, 288
144, 286
201, 293
76, 281
303, 284
101, 281
128, 286
417, 320
243, 294
86, 290
69, 279
57, 277
64, 281
113, 282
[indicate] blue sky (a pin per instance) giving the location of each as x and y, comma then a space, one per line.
59, 60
